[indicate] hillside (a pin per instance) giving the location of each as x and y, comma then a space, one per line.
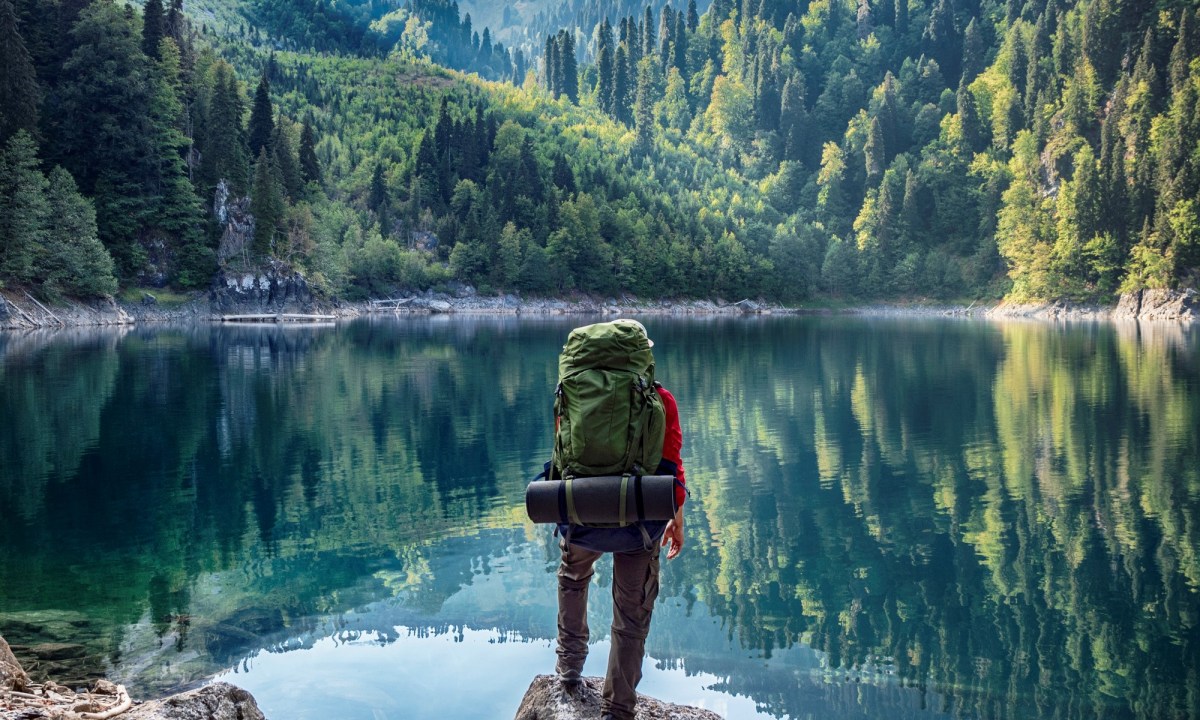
1049, 150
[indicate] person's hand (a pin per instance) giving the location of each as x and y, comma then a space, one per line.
673, 536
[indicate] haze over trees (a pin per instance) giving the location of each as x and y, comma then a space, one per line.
788, 150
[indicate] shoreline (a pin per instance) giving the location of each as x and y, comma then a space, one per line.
20, 311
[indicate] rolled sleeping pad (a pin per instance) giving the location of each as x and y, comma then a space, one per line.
609, 500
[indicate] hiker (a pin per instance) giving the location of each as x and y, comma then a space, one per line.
635, 547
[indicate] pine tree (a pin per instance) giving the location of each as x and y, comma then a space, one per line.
223, 153
974, 51
310, 166
793, 118
284, 156
968, 114
604, 83
568, 73
693, 18
666, 25
621, 85
941, 38
643, 111
23, 209
1187, 45
647, 34
680, 46
266, 205
20, 94
262, 117
551, 65
106, 128
874, 152
378, 196
178, 215
153, 27
901, 17
74, 261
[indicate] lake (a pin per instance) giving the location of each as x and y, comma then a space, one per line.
901, 518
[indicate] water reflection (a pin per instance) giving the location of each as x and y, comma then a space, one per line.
907, 518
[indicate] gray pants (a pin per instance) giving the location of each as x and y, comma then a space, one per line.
635, 587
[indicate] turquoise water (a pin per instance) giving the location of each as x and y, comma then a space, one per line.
889, 518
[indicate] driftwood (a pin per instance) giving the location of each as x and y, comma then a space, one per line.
45, 309
124, 702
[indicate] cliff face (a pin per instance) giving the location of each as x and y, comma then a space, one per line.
274, 289
1158, 305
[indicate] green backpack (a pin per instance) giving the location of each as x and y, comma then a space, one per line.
610, 418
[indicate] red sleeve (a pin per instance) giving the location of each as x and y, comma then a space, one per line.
673, 442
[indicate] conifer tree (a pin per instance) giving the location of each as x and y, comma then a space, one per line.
680, 46
551, 66
153, 27
106, 129
605, 70
793, 118
647, 34
693, 18
74, 260
23, 209
262, 117
621, 86
20, 94
974, 51
568, 72
968, 115
223, 151
874, 151
284, 156
266, 205
310, 166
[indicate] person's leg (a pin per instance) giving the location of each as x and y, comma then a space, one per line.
635, 587
574, 575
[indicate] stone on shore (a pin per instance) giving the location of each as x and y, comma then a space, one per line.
12, 675
219, 701
546, 700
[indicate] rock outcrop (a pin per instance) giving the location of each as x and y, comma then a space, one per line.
1158, 305
219, 701
236, 222
276, 288
546, 700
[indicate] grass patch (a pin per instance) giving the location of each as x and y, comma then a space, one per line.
165, 296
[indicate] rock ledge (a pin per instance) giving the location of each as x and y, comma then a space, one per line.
546, 700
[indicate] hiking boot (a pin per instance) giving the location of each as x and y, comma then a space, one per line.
571, 680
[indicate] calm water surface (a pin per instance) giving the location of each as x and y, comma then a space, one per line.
889, 518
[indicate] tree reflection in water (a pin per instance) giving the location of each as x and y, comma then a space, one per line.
1001, 516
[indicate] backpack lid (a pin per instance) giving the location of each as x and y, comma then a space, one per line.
619, 344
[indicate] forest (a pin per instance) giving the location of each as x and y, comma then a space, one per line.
783, 150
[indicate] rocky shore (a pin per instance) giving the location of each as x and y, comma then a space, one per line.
278, 290
21, 698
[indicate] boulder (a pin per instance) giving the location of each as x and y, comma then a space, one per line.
219, 701
12, 675
546, 700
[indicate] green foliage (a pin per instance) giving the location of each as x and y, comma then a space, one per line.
19, 91
75, 262
24, 210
